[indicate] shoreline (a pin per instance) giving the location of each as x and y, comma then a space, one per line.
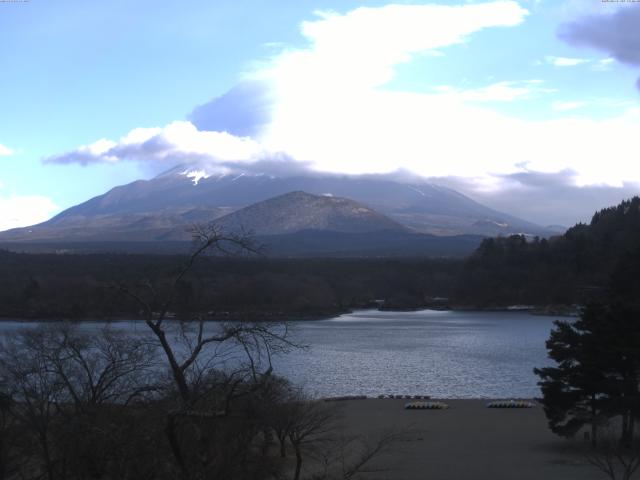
280, 317
427, 398
543, 311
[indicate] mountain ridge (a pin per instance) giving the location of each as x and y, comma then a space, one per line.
180, 197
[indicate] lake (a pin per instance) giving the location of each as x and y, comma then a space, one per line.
446, 354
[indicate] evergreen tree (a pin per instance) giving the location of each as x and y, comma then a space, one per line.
598, 361
572, 391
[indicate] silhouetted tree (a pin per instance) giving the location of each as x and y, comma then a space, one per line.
7, 436
573, 390
598, 360
196, 355
68, 390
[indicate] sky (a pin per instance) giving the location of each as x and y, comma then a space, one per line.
528, 106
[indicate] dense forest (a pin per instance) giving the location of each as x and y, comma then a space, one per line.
90, 286
559, 271
563, 270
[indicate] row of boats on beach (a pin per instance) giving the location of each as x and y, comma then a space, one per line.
424, 402
420, 405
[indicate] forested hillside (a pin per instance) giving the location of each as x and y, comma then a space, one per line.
562, 270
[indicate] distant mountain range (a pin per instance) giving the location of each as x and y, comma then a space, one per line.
163, 208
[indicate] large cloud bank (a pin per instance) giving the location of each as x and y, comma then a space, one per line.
177, 142
327, 107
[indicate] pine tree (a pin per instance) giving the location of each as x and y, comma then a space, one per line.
572, 391
597, 376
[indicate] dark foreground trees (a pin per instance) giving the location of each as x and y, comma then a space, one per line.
80, 403
597, 377
576, 392
73, 402
216, 372
181, 399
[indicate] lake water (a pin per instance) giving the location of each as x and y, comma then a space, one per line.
444, 354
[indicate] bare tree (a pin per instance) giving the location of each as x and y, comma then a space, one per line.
66, 387
7, 436
108, 368
314, 430
311, 423
350, 456
211, 364
185, 356
37, 392
618, 460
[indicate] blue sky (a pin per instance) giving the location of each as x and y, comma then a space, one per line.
507, 101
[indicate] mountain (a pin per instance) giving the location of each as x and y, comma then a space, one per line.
299, 224
154, 210
297, 211
296, 224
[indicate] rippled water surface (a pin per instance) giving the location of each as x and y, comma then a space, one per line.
437, 353
444, 354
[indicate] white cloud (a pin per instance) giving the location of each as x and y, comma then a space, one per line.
356, 126
361, 47
349, 57
174, 143
561, 106
5, 151
330, 109
603, 64
565, 61
21, 211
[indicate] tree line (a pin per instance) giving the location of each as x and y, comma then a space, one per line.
49, 286
564, 270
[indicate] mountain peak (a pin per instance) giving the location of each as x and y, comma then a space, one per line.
298, 210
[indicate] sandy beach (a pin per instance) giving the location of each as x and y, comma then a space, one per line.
467, 442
